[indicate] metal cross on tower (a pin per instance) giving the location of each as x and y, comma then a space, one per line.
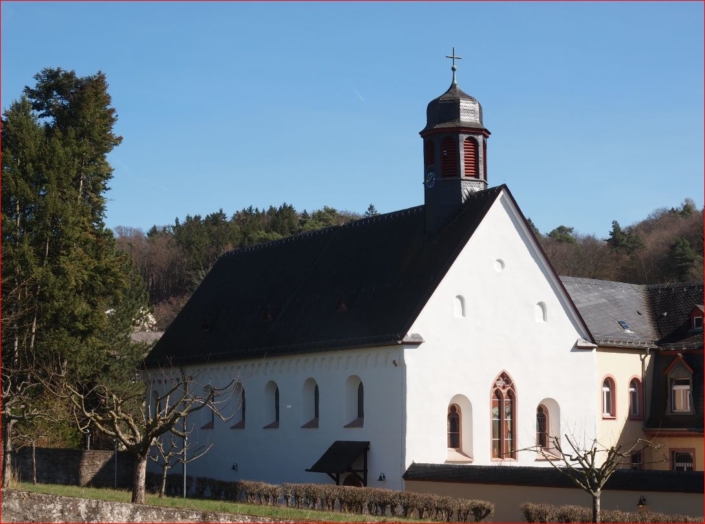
454, 69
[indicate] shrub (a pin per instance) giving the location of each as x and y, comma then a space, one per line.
570, 513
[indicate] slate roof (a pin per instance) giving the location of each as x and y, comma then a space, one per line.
621, 479
659, 416
602, 304
356, 285
339, 456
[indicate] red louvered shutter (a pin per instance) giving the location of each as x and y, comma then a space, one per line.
429, 153
470, 155
449, 160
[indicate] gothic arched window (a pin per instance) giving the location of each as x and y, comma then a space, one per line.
503, 417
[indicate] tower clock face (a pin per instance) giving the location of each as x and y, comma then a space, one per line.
430, 179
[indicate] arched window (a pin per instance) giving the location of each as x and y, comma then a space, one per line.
634, 398
271, 405
240, 407
542, 432
429, 153
310, 400
503, 403
472, 167
354, 402
208, 412
360, 401
608, 398
540, 312
449, 157
459, 306
454, 427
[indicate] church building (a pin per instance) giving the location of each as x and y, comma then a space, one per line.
437, 335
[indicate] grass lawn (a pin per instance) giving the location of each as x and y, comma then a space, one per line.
279, 512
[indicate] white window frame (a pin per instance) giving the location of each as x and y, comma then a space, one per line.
682, 389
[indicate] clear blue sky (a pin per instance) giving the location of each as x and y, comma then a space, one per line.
595, 109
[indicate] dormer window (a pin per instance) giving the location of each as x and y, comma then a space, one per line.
697, 322
696, 318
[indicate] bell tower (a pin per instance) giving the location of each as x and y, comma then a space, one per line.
454, 153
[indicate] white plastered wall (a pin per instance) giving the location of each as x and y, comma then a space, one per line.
502, 278
283, 454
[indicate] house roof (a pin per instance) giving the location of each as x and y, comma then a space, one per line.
603, 304
356, 285
621, 479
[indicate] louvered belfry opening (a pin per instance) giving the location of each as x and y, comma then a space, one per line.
470, 157
449, 160
429, 153
484, 159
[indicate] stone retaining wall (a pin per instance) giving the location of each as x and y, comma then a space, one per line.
76, 467
21, 506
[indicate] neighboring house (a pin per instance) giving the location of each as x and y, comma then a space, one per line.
650, 366
438, 334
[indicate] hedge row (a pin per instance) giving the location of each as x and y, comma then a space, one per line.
329, 497
551, 513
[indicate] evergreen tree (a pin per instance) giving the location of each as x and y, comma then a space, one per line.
681, 257
563, 234
61, 269
371, 211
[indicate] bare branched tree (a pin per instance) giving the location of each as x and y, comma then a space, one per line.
590, 469
168, 452
122, 413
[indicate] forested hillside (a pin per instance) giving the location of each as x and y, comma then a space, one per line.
667, 246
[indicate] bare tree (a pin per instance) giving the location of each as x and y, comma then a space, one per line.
168, 452
590, 469
123, 413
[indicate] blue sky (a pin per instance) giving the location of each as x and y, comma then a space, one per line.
595, 109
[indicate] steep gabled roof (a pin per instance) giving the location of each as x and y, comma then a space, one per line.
285, 297
671, 305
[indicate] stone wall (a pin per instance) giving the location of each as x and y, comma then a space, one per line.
20, 506
76, 467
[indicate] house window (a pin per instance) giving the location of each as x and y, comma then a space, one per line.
503, 405
637, 461
682, 460
634, 398
697, 322
680, 395
454, 427
608, 398
459, 306
542, 435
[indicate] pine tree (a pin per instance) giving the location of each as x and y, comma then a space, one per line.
61, 271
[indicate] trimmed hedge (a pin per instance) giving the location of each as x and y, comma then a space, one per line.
569, 513
329, 497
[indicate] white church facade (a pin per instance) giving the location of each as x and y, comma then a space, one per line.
438, 334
